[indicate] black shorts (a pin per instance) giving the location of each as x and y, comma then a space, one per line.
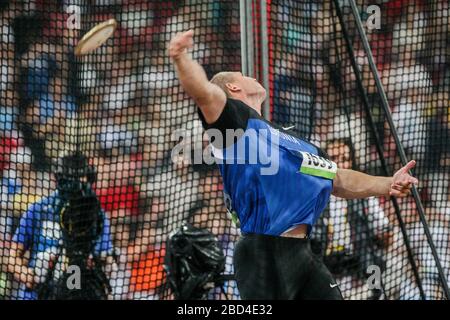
269, 268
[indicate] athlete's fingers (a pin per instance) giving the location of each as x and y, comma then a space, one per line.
180, 43
186, 39
405, 179
408, 166
189, 34
399, 194
403, 185
402, 176
399, 191
190, 44
409, 180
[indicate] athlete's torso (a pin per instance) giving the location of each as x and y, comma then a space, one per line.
273, 180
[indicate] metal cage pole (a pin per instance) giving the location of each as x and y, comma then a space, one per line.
243, 30
400, 149
365, 102
247, 39
249, 48
265, 71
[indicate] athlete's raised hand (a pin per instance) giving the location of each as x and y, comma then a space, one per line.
402, 181
209, 98
180, 43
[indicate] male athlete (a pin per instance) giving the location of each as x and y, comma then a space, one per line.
276, 212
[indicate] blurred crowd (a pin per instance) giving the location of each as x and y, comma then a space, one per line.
122, 103
410, 50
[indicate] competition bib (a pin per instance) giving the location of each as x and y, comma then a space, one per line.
317, 166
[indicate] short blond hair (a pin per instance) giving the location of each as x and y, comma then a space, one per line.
222, 78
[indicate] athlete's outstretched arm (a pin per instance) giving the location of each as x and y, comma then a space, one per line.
352, 184
210, 98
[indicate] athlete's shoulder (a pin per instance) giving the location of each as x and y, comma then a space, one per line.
289, 131
234, 116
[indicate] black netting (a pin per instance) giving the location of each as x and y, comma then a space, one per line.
119, 106
118, 110
316, 89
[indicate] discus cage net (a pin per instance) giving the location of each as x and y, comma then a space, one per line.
121, 104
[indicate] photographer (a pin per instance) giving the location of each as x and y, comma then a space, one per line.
66, 228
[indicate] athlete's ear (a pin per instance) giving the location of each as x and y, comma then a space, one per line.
232, 87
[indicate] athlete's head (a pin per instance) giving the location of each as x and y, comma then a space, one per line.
238, 86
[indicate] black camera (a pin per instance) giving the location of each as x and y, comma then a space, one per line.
81, 218
82, 222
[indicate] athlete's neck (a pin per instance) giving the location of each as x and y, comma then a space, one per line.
253, 102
